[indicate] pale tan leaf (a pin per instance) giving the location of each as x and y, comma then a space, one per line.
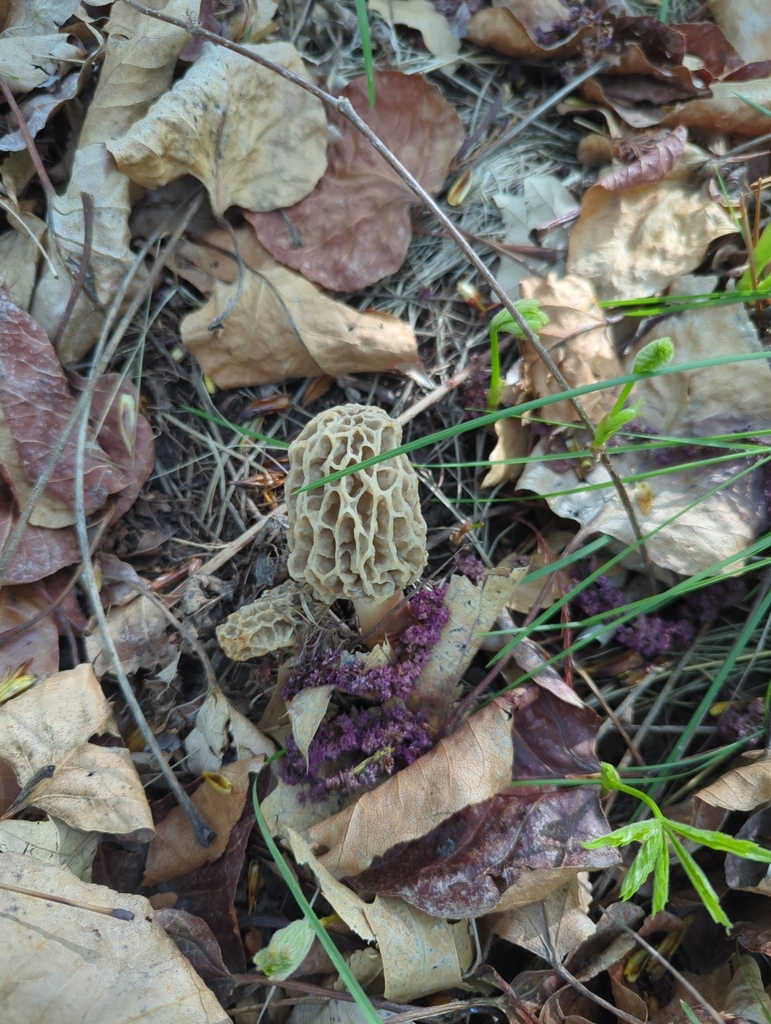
28, 62
422, 16
225, 122
283, 808
306, 712
285, 327
473, 610
174, 850
638, 241
579, 340
93, 787
421, 954
138, 630
332, 1011
553, 927
747, 26
19, 257
138, 66
97, 969
218, 726
52, 842
466, 768
745, 787
513, 443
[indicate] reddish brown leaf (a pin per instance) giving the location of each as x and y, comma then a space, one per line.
41, 552
196, 941
707, 41
650, 166
36, 401
37, 647
355, 225
462, 867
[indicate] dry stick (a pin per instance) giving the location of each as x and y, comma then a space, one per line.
345, 109
116, 912
85, 261
45, 181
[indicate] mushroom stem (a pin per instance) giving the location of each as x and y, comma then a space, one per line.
371, 615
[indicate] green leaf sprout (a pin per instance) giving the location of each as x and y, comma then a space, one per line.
285, 951
535, 319
652, 357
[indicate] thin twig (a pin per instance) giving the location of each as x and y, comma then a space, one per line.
29, 142
85, 261
117, 912
345, 108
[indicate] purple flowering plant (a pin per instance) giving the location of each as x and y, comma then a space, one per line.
358, 745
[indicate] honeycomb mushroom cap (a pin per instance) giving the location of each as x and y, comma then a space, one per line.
362, 537
271, 622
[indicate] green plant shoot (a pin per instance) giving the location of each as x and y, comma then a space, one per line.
285, 951
762, 257
656, 836
535, 319
650, 358
366, 47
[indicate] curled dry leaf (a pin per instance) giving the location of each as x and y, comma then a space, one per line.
579, 339
519, 845
355, 226
219, 726
519, 28
93, 787
174, 850
650, 166
725, 110
697, 526
51, 842
635, 242
98, 970
513, 443
284, 327
226, 123
138, 66
551, 928
36, 111
32, 50
423, 16
466, 768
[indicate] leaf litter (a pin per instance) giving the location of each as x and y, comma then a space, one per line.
424, 795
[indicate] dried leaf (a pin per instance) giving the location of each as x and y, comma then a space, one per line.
747, 26
651, 166
513, 443
51, 842
470, 766
138, 65
225, 122
517, 28
284, 327
355, 226
174, 850
32, 50
517, 846
306, 713
422, 16
19, 255
195, 940
636, 242
125, 970
42, 552
579, 340
94, 788
138, 631
36, 649
551, 928
725, 110
219, 726
744, 787
473, 611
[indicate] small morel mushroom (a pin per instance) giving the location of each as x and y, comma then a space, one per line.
273, 621
363, 537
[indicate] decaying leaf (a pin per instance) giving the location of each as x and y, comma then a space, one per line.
516, 847
42, 552
219, 726
355, 226
95, 788
174, 850
423, 16
704, 526
635, 242
520, 28
553, 927
32, 50
746, 25
470, 766
744, 787
284, 327
578, 337
138, 66
19, 255
52, 842
35, 650
513, 443
98, 970
225, 122
653, 163
306, 713
36, 111
725, 110
138, 630
473, 610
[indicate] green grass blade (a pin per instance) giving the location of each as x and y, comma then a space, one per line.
366, 46
232, 426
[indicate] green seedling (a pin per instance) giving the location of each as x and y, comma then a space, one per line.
657, 837
652, 357
285, 951
535, 319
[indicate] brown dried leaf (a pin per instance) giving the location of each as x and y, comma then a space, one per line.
225, 122
470, 766
175, 850
651, 166
579, 339
94, 787
725, 111
37, 647
19, 256
125, 970
519, 845
355, 226
32, 50
513, 443
636, 242
473, 610
421, 15
218, 727
139, 62
42, 552
552, 928
745, 787
284, 327
747, 26
512, 27
138, 630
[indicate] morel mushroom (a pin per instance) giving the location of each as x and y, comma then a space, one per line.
273, 621
363, 537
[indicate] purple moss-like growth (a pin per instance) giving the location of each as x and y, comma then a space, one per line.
354, 748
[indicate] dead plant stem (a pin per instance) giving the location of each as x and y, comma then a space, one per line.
344, 107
